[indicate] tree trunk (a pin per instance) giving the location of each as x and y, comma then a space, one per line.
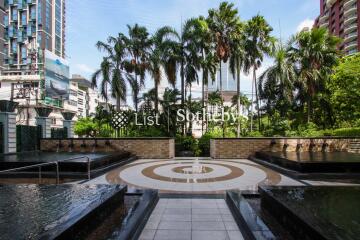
135, 97
309, 110
183, 94
238, 104
221, 87
203, 94
252, 105
156, 97
257, 101
118, 103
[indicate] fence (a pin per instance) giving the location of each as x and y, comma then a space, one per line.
59, 133
28, 138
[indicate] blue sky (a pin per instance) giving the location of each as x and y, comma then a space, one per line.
89, 21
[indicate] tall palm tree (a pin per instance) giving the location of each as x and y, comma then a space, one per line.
188, 58
258, 43
112, 69
277, 82
314, 54
236, 63
138, 45
223, 22
162, 57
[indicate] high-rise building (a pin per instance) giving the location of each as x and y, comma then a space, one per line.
33, 69
342, 19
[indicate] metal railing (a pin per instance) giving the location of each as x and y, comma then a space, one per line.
39, 166
56, 163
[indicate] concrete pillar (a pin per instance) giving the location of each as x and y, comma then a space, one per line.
45, 124
69, 125
9, 131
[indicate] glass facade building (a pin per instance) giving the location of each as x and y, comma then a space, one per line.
27, 27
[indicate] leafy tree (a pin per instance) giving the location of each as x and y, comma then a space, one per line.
85, 127
314, 54
344, 86
276, 84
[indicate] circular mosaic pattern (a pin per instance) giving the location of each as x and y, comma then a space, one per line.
193, 176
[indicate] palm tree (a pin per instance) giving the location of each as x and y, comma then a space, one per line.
138, 45
244, 101
223, 22
214, 99
277, 82
258, 43
162, 56
237, 59
189, 58
314, 54
112, 69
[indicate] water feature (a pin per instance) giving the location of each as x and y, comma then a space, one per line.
323, 161
47, 211
315, 212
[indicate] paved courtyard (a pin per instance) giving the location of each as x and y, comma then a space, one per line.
195, 175
196, 219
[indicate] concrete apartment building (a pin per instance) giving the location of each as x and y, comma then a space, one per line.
342, 19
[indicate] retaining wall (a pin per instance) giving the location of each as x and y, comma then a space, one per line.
152, 148
231, 148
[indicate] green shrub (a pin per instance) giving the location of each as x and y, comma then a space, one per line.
347, 132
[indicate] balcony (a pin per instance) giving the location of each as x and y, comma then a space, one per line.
348, 3
350, 18
352, 10
352, 51
350, 27
324, 18
351, 45
324, 25
351, 36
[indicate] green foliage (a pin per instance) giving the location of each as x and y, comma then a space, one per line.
147, 132
344, 87
347, 132
85, 127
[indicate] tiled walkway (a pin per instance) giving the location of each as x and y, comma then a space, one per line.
191, 219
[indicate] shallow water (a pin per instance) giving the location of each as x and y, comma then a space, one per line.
27, 211
317, 157
333, 211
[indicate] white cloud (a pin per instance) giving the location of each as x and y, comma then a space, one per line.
84, 68
307, 23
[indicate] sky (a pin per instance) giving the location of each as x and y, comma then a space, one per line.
88, 21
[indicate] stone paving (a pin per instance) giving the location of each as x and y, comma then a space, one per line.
195, 176
191, 219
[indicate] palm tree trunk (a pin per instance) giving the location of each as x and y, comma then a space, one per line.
238, 104
252, 105
183, 94
257, 101
309, 110
118, 103
135, 97
221, 87
156, 97
203, 94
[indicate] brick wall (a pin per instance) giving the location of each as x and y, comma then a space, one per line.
244, 147
152, 148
